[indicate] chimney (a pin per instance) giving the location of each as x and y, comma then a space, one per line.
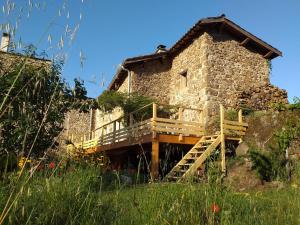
161, 48
5, 42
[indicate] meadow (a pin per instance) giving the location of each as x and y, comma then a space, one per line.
86, 195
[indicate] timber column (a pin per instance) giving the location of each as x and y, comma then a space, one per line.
155, 148
223, 148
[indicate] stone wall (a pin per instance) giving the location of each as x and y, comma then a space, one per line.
124, 86
193, 62
10, 60
260, 98
152, 79
76, 124
232, 68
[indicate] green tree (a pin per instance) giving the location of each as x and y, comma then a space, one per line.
34, 99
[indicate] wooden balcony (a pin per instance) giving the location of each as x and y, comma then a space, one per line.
161, 124
130, 131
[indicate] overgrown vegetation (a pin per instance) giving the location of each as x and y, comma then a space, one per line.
275, 164
283, 107
82, 196
34, 99
109, 100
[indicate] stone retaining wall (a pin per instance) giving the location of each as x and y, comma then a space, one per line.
261, 98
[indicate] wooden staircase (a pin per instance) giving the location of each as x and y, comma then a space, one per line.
188, 166
193, 160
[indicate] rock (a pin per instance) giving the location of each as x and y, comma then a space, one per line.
242, 149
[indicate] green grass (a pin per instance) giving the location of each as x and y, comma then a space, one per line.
85, 196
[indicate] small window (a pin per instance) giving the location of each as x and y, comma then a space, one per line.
183, 79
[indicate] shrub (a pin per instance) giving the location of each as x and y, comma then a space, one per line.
110, 100
262, 164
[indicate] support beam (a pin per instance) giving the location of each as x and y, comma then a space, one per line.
173, 139
244, 42
154, 116
268, 54
180, 120
155, 160
240, 116
222, 117
240, 121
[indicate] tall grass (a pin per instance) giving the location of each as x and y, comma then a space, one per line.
87, 196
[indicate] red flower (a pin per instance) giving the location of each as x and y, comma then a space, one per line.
215, 208
51, 165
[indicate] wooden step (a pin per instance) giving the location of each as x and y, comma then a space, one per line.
191, 158
208, 141
186, 164
195, 152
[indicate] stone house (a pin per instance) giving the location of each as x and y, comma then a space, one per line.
215, 62
8, 59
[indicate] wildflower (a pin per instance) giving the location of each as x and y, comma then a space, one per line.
294, 186
51, 165
215, 208
22, 161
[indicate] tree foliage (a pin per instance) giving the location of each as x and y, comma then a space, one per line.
110, 100
34, 99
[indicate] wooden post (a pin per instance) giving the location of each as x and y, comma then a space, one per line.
223, 162
180, 112
240, 121
240, 116
155, 160
114, 131
154, 116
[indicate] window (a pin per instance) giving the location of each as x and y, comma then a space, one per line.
183, 79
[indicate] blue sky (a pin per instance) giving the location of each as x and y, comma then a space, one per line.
112, 30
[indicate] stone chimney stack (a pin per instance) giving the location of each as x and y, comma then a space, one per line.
161, 48
5, 42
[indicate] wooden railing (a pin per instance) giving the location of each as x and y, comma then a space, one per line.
115, 131
234, 130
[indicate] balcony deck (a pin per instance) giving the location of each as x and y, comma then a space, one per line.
168, 128
113, 135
